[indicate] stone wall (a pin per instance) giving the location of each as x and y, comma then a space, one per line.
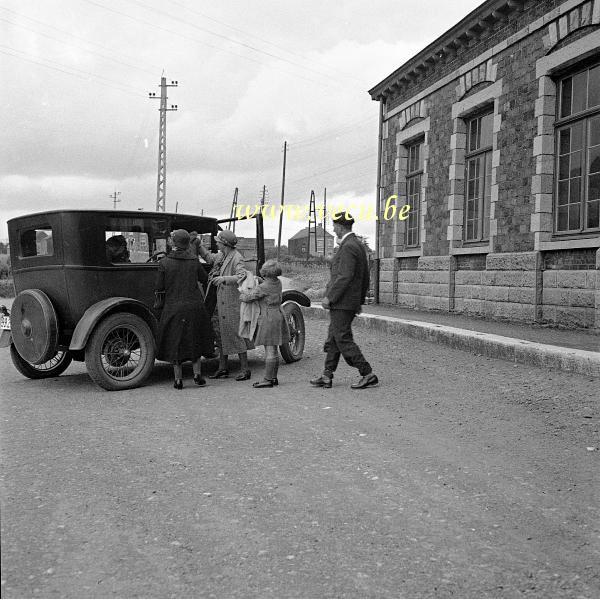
513, 286
506, 289
570, 297
426, 288
386, 281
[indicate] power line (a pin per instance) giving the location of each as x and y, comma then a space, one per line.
225, 37
334, 168
119, 86
337, 132
264, 41
68, 33
76, 46
197, 41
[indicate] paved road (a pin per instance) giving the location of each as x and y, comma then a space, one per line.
460, 476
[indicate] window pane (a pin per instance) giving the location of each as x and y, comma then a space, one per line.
37, 242
562, 218
565, 98
594, 187
595, 131
577, 136
593, 216
575, 191
573, 217
594, 160
575, 170
470, 230
487, 195
563, 192
125, 247
563, 167
487, 125
564, 144
594, 87
473, 135
579, 92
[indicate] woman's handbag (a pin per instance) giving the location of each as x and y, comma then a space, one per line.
159, 300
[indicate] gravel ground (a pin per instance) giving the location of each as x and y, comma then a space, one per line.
460, 476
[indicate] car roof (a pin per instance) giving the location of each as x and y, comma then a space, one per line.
117, 213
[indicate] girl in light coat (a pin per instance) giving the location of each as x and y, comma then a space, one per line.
271, 328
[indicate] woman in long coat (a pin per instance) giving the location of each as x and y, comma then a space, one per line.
185, 331
226, 274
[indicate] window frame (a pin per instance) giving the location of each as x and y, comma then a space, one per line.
483, 153
33, 243
585, 117
414, 175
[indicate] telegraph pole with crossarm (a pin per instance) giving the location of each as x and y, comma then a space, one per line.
161, 184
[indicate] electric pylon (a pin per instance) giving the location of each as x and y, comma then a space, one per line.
312, 220
234, 203
161, 183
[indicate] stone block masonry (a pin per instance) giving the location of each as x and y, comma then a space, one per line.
513, 286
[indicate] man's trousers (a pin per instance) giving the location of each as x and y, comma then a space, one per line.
340, 342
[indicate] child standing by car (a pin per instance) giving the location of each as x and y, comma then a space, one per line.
271, 329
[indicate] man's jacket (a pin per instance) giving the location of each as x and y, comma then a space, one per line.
349, 281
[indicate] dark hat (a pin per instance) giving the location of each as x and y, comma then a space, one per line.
227, 237
181, 238
343, 218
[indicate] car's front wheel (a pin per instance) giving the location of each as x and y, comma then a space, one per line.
120, 353
52, 367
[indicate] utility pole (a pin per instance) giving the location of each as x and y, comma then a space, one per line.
282, 199
161, 184
325, 222
114, 197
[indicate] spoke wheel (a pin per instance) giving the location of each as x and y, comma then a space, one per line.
293, 350
120, 352
52, 367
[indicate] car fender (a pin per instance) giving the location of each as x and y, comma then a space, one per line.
293, 295
92, 316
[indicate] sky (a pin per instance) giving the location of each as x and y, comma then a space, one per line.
77, 123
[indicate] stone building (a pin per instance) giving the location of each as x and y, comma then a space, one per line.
491, 135
299, 243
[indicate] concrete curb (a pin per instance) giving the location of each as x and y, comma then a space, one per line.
568, 359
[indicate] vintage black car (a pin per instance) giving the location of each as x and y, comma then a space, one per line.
85, 289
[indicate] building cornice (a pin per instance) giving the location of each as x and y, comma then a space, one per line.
475, 25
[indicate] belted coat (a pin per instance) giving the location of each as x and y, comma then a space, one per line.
185, 331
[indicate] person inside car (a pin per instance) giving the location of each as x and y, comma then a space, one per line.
116, 249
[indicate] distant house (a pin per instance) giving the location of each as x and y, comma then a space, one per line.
247, 245
298, 244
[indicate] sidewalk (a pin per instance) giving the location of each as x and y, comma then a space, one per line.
569, 350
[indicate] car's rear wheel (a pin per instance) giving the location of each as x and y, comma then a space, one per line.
120, 353
55, 366
293, 350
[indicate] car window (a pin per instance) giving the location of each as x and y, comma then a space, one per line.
132, 240
36, 241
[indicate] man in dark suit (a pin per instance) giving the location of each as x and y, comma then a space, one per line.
344, 295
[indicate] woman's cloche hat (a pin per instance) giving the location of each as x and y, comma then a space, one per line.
181, 238
227, 237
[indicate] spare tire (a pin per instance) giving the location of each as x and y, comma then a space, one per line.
34, 326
